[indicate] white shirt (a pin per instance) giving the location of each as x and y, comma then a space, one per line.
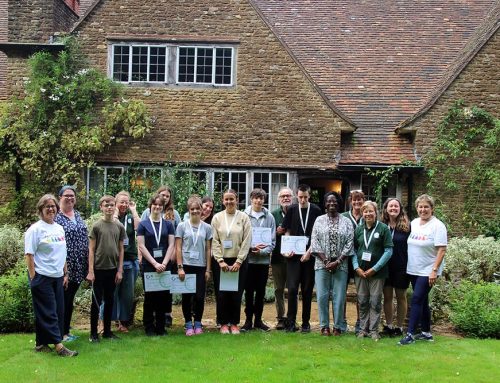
422, 244
47, 243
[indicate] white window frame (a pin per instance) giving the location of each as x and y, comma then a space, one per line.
214, 59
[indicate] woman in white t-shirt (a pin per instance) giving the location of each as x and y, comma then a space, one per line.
45, 250
426, 249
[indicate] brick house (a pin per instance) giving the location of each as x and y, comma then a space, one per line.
267, 93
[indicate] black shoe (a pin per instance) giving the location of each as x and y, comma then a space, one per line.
281, 325
305, 328
94, 338
291, 327
261, 326
168, 321
247, 326
110, 336
387, 331
397, 332
150, 333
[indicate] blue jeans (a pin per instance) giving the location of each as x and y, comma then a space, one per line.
420, 313
333, 283
124, 292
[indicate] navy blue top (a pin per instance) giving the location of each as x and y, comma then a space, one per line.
145, 229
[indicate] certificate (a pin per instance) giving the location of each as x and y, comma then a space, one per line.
229, 281
187, 286
294, 243
261, 235
157, 281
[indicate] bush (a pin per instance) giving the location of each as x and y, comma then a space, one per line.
16, 310
475, 309
11, 247
474, 260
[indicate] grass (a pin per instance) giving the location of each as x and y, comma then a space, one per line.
252, 357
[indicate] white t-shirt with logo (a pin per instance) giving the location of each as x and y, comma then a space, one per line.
422, 244
48, 245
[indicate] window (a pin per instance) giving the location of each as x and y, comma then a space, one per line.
139, 63
368, 184
231, 180
271, 183
135, 62
196, 65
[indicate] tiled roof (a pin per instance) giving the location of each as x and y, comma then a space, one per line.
379, 61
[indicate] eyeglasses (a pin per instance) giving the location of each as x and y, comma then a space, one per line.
50, 207
285, 196
68, 196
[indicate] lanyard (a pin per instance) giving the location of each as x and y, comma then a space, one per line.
367, 242
304, 225
353, 219
228, 228
157, 235
392, 232
195, 240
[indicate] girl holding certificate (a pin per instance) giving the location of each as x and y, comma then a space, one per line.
232, 233
155, 237
193, 246
373, 247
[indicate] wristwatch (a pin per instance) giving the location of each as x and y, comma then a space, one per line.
435, 269
180, 267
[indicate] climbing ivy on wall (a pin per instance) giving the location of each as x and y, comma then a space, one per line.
465, 160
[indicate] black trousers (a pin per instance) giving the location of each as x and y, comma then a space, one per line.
168, 299
300, 274
69, 298
193, 305
48, 305
229, 302
154, 311
255, 290
104, 290
216, 281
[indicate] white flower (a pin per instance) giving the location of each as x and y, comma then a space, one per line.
43, 90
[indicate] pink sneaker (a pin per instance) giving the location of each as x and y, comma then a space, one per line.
189, 332
198, 331
224, 329
235, 330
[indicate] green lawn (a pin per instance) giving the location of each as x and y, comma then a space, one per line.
254, 357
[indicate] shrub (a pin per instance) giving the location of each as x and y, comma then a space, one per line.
16, 310
11, 247
474, 260
475, 309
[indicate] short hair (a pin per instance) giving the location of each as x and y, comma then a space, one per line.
337, 196
106, 198
66, 187
367, 204
153, 199
43, 200
356, 194
425, 198
122, 193
258, 193
230, 191
304, 188
287, 189
402, 221
194, 200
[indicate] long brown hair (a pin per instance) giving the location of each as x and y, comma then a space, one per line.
169, 206
402, 221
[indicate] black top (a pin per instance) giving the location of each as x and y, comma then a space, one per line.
399, 259
292, 223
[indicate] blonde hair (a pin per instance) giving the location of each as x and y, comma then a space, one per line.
43, 200
367, 204
424, 198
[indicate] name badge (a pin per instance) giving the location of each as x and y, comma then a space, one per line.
227, 244
158, 252
194, 255
125, 242
366, 256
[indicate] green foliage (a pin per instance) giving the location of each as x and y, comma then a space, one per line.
68, 114
11, 247
16, 310
179, 177
475, 309
465, 133
472, 260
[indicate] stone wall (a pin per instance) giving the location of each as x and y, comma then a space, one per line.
272, 116
477, 85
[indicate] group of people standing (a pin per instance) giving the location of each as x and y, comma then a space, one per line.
383, 256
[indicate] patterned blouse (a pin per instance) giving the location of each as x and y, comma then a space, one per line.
77, 244
334, 238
